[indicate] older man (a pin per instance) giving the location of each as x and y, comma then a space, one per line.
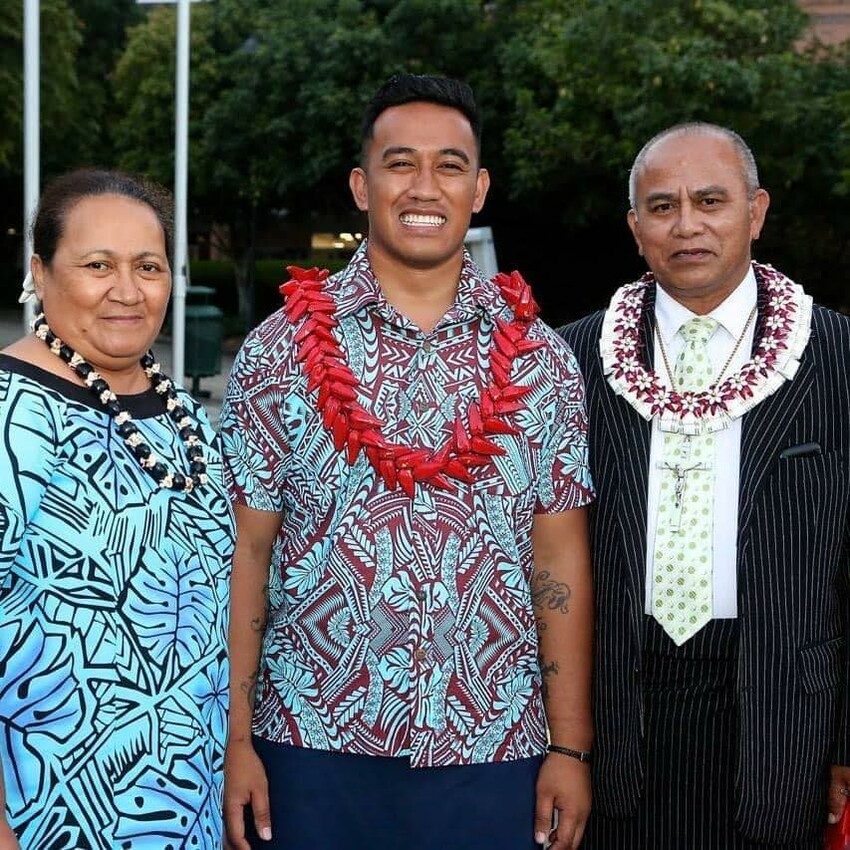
720, 446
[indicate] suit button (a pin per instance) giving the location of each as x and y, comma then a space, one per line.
420, 654
421, 595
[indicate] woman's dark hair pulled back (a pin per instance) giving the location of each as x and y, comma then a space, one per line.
61, 194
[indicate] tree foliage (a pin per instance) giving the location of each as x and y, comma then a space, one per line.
79, 43
589, 81
594, 79
102, 26
277, 94
569, 89
60, 40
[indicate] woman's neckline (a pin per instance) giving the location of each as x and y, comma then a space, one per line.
141, 405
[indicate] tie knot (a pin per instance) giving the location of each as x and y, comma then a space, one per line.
698, 330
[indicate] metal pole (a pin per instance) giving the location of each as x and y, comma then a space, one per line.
181, 157
32, 62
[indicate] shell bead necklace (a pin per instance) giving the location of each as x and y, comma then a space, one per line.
127, 429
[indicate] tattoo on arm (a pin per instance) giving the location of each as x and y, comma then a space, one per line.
547, 671
249, 688
548, 594
258, 624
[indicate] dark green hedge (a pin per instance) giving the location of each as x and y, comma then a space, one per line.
269, 275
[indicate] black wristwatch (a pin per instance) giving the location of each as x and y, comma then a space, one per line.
581, 755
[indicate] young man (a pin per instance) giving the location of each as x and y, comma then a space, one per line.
720, 438
406, 447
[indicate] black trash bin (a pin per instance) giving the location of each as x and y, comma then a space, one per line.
203, 337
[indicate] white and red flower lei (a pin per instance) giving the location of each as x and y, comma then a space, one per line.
354, 429
785, 320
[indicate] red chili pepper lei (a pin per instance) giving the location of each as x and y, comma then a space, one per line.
354, 429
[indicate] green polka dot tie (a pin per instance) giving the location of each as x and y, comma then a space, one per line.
681, 578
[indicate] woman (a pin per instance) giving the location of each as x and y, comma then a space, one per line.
115, 545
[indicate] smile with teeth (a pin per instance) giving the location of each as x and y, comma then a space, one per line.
422, 220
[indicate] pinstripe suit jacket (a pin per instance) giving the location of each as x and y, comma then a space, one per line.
793, 584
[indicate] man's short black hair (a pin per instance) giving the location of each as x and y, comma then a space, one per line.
417, 88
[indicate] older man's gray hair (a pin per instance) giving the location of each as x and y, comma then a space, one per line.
698, 128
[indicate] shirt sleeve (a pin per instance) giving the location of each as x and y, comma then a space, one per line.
564, 480
253, 441
28, 458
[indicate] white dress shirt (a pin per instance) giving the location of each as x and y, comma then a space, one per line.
732, 316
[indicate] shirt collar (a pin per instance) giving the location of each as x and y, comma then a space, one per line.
356, 288
732, 314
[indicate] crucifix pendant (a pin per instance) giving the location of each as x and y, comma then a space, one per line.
679, 486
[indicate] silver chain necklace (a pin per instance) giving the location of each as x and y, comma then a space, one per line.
726, 365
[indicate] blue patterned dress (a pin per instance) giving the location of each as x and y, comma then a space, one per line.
113, 619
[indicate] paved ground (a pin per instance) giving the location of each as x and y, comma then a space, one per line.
11, 328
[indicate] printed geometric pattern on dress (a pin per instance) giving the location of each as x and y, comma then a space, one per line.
399, 626
113, 620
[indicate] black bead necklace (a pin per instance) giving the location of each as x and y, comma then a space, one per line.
127, 430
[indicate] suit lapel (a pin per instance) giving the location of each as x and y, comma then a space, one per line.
631, 434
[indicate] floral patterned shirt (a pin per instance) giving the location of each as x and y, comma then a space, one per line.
398, 626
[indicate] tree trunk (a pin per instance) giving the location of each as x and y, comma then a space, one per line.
242, 263
240, 248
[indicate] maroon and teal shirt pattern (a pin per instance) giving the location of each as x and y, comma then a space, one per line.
403, 627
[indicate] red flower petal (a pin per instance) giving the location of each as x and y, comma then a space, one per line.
353, 446
483, 446
388, 473
457, 470
406, 482
461, 437
497, 426
340, 431
423, 471
475, 425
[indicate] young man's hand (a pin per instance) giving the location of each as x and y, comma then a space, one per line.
563, 786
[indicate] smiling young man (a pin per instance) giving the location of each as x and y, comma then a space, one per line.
406, 447
719, 407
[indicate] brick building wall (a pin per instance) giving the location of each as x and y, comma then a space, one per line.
830, 19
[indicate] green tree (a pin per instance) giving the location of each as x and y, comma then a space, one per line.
60, 41
102, 26
269, 107
143, 83
277, 95
589, 81
593, 79
569, 89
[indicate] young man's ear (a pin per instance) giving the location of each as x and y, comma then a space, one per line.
359, 190
482, 184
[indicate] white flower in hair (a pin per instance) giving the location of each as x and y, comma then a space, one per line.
28, 290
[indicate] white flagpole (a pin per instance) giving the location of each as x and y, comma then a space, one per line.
181, 157
32, 62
